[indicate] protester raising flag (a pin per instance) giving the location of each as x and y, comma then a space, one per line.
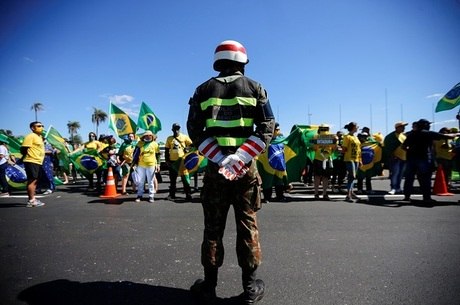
120, 122
450, 100
148, 120
57, 141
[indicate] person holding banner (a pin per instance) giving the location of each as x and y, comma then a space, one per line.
324, 144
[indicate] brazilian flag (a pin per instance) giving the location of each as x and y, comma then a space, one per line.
120, 122
87, 161
191, 163
371, 156
14, 145
450, 100
275, 167
148, 120
57, 141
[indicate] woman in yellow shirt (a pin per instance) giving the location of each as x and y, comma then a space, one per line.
351, 148
146, 156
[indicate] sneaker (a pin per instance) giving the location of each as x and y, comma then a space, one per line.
348, 199
35, 203
47, 192
392, 192
151, 199
138, 199
254, 295
203, 293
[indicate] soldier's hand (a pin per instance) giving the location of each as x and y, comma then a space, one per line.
232, 167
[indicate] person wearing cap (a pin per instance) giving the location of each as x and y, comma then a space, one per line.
395, 156
444, 154
420, 158
175, 148
33, 154
351, 148
231, 123
145, 163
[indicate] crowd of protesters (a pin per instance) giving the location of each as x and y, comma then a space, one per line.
337, 166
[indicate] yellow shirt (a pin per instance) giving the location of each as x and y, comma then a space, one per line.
36, 151
443, 150
399, 152
352, 147
148, 153
176, 146
95, 145
324, 151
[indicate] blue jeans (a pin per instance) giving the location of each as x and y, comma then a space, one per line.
423, 169
352, 169
396, 173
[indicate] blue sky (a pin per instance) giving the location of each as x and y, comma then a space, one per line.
373, 62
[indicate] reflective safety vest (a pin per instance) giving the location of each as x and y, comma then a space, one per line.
230, 118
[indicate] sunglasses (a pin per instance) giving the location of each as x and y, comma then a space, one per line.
39, 126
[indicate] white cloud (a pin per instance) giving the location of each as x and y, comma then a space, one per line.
121, 99
28, 59
435, 95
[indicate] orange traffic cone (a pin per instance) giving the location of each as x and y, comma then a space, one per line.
110, 187
440, 187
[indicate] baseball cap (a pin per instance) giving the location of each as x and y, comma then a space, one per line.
400, 123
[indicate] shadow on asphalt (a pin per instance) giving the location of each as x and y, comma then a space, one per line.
381, 201
68, 292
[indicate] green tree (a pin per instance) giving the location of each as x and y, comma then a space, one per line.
73, 129
36, 107
98, 117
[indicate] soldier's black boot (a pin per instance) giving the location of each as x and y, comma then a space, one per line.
254, 289
204, 291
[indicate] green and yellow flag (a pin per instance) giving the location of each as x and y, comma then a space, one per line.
57, 141
148, 120
120, 122
14, 145
450, 100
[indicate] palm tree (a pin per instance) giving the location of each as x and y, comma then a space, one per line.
98, 117
37, 107
73, 129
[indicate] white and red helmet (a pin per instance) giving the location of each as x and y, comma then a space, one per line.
230, 50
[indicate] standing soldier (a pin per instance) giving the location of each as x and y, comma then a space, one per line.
223, 113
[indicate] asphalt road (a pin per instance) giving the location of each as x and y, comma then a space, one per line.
80, 249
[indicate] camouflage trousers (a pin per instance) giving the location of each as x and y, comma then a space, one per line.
217, 195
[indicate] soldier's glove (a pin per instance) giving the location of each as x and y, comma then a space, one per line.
250, 149
211, 150
233, 167
236, 165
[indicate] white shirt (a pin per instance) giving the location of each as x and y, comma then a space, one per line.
4, 154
